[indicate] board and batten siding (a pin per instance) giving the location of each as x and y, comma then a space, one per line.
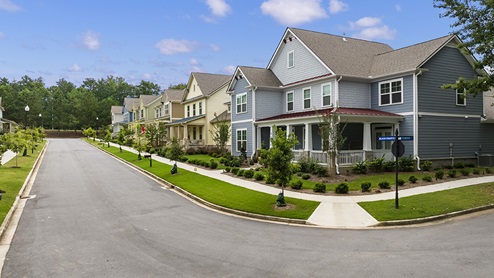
305, 64
269, 103
465, 134
445, 68
406, 106
354, 94
240, 88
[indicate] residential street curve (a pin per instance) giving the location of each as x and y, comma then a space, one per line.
93, 216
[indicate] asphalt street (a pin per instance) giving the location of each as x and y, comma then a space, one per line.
93, 216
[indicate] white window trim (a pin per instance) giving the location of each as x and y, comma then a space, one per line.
390, 93
293, 101
330, 95
236, 138
237, 97
193, 109
456, 99
303, 98
288, 59
188, 111
200, 108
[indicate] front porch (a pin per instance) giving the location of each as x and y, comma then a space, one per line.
190, 132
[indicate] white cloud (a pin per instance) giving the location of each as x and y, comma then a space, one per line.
90, 41
173, 46
293, 12
373, 33
215, 48
7, 5
74, 68
147, 76
337, 6
365, 22
195, 65
230, 69
219, 7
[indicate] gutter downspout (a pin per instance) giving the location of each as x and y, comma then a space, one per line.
416, 118
254, 129
337, 105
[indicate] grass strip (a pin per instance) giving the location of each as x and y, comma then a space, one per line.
12, 178
432, 204
219, 192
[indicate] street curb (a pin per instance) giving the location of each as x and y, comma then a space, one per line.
13, 208
432, 218
206, 203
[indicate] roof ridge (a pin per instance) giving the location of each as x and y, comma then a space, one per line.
416, 44
339, 36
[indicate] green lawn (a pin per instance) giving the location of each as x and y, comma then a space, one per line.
207, 158
432, 204
219, 192
12, 179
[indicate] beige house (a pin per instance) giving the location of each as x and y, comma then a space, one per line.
204, 97
5, 125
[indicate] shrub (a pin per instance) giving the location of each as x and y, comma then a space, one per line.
439, 174
476, 171
227, 169
377, 164
406, 164
488, 170
389, 166
426, 165
465, 172
342, 188
452, 173
470, 165
319, 187
295, 167
384, 185
412, 179
270, 179
296, 184
427, 178
321, 171
459, 165
213, 164
258, 176
305, 176
401, 182
240, 173
307, 164
299, 174
235, 170
249, 174
365, 186
184, 159
359, 168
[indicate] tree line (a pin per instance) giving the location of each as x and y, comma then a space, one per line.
67, 106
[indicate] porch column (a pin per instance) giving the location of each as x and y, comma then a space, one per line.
258, 139
170, 133
288, 130
307, 143
367, 137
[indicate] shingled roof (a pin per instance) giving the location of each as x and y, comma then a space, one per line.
260, 77
116, 109
129, 102
173, 95
209, 82
147, 99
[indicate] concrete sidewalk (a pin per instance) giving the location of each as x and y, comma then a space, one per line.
7, 156
334, 211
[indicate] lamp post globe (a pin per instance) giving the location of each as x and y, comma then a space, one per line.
27, 110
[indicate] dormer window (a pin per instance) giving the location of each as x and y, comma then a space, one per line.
290, 59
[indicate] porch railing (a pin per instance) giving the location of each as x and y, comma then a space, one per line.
351, 157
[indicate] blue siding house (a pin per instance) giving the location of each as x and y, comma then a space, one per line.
375, 90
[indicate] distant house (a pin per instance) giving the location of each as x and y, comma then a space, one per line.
204, 97
117, 119
374, 89
5, 125
172, 106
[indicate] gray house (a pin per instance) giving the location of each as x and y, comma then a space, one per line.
373, 88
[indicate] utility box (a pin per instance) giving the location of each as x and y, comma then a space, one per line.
486, 160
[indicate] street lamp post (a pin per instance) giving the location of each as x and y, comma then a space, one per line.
41, 118
25, 122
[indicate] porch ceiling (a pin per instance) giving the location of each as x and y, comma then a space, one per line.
196, 119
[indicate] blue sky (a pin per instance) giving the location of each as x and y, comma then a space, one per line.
162, 41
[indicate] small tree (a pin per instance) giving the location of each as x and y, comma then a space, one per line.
120, 138
220, 133
332, 136
175, 151
152, 134
279, 158
108, 137
16, 142
140, 145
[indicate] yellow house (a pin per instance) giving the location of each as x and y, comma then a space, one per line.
204, 97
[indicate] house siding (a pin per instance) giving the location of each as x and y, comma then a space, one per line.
250, 144
354, 94
298, 96
466, 135
406, 129
240, 88
406, 106
305, 64
445, 68
269, 103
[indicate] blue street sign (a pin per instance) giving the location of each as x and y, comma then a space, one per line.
392, 138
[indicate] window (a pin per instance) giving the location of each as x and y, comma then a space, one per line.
290, 59
142, 113
306, 98
390, 92
200, 132
193, 109
326, 94
188, 111
241, 103
167, 109
289, 101
241, 139
194, 133
156, 113
200, 108
229, 108
461, 99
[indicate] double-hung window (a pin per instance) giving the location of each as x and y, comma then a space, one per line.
289, 101
391, 92
307, 98
193, 109
326, 94
167, 109
461, 99
241, 101
188, 111
290, 59
200, 108
241, 139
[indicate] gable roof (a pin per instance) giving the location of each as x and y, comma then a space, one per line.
209, 83
129, 103
260, 77
147, 99
116, 109
173, 95
407, 58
